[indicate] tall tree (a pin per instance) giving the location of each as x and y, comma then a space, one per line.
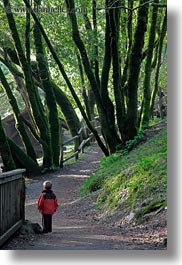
61, 98
19, 124
34, 97
5, 151
158, 61
49, 95
104, 104
115, 48
134, 70
114, 19
148, 68
61, 68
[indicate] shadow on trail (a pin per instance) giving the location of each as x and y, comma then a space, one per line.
75, 224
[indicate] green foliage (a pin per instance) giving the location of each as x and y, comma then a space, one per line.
140, 174
93, 35
150, 206
108, 168
45, 170
130, 144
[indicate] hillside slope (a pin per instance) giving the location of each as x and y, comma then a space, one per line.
106, 218
132, 187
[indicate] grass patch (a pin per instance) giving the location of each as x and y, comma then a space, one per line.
125, 180
150, 207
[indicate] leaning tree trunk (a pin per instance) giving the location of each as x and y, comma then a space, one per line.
20, 84
67, 109
148, 69
69, 113
114, 18
84, 92
21, 159
134, 70
129, 40
61, 99
5, 151
162, 36
49, 95
104, 105
19, 124
61, 68
108, 123
95, 48
34, 97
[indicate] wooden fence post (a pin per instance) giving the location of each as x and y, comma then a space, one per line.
12, 203
80, 143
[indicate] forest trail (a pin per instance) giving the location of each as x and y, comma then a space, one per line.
76, 225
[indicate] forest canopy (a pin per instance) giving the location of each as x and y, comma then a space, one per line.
75, 60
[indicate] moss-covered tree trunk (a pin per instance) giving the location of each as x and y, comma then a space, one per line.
21, 159
107, 115
84, 92
95, 48
61, 68
6, 155
49, 95
104, 104
156, 86
134, 70
148, 69
19, 124
34, 97
114, 19
129, 40
61, 99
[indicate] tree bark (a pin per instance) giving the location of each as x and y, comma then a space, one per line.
104, 104
134, 70
19, 124
84, 92
114, 18
128, 44
95, 48
49, 95
8, 162
67, 109
34, 97
27, 36
69, 113
21, 159
107, 114
61, 99
61, 68
162, 36
148, 69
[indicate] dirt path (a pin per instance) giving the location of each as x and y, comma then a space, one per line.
76, 224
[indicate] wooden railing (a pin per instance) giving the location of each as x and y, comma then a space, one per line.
82, 143
12, 203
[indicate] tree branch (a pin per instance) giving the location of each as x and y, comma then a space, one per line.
61, 69
130, 9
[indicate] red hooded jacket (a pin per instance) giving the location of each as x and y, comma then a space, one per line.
47, 202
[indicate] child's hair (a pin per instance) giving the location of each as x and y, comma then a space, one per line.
47, 185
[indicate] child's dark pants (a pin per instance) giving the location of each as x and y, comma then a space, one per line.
47, 222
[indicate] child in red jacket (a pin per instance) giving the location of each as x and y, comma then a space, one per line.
47, 205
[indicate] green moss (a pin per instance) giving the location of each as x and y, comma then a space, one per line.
136, 176
150, 207
5, 151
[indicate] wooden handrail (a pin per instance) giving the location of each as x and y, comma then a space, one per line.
80, 147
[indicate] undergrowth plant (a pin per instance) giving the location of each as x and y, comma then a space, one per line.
130, 144
124, 180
